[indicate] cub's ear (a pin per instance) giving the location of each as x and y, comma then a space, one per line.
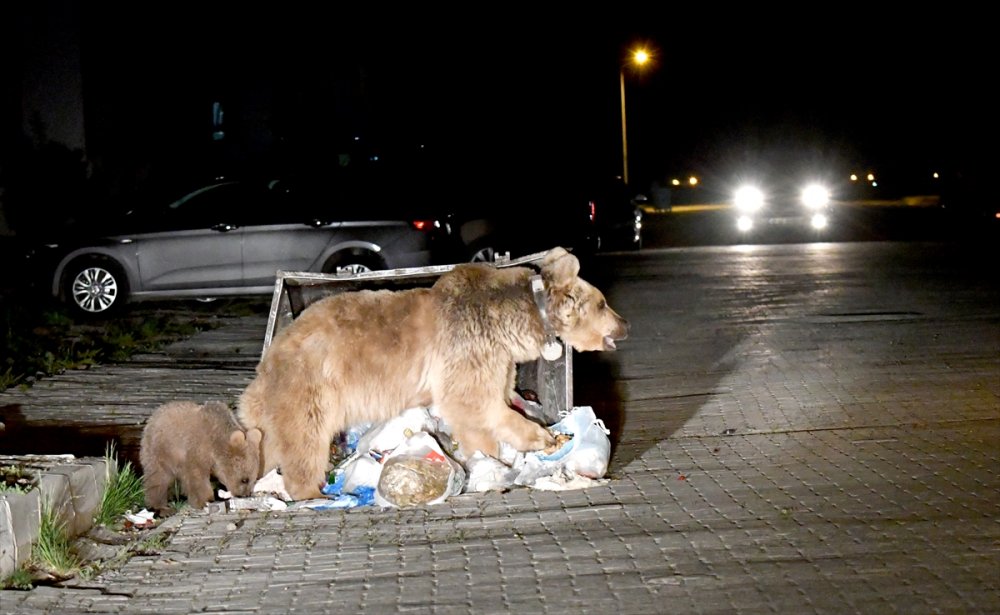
253, 436
237, 439
215, 406
559, 267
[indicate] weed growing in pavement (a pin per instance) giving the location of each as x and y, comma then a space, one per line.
68, 357
9, 379
16, 479
176, 500
123, 492
19, 579
53, 552
152, 545
54, 555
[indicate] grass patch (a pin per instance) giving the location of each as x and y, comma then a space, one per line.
19, 579
9, 379
17, 479
153, 545
53, 552
123, 492
54, 556
176, 500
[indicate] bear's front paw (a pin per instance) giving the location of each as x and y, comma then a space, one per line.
542, 440
560, 439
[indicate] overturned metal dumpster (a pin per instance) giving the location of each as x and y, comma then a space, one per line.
295, 291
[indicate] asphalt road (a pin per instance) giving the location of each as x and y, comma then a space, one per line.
727, 309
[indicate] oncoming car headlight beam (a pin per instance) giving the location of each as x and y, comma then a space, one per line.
748, 198
815, 196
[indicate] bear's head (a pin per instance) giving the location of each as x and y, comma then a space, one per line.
579, 313
238, 468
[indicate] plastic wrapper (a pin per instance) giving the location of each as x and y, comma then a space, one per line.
487, 473
270, 484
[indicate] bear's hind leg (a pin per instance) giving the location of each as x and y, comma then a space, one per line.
156, 483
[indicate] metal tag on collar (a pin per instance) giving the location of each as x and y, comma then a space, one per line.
552, 348
538, 290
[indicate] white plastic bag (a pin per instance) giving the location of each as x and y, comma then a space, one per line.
586, 455
358, 471
488, 473
390, 434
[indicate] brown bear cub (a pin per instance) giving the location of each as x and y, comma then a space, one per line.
192, 442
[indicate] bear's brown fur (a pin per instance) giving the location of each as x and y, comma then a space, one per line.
191, 442
365, 356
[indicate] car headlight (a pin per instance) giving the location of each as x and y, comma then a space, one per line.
815, 196
748, 198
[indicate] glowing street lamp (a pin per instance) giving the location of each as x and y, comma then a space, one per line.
639, 57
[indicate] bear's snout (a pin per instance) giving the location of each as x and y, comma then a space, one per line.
621, 329
618, 332
242, 488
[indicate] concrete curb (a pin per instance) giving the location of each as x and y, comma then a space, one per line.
73, 486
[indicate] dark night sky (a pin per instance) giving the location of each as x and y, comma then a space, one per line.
908, 86
515, 83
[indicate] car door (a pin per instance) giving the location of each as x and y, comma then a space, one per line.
289, 235
196, 241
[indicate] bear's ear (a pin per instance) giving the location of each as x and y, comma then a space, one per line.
253, 436
560, 268
237, 439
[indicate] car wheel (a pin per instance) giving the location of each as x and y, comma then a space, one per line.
486, 250
94, 286
352, 263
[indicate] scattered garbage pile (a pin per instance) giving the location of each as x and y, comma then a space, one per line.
411, 460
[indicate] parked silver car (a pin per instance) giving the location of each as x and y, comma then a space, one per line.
226, 238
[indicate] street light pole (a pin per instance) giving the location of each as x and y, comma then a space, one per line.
639, 57
621, 75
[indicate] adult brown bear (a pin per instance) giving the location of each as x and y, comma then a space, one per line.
365, 356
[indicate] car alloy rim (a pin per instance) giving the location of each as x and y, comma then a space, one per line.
485, 255
94, 289
352, 269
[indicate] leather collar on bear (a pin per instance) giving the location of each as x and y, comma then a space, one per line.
551, 348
